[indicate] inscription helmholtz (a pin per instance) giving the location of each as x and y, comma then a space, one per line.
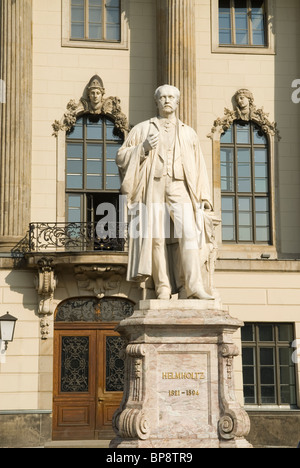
183, 375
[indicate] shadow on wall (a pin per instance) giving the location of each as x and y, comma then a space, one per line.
143, 62
287, 116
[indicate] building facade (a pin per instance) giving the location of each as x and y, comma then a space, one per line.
76, 75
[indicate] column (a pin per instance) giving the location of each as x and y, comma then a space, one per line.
176, 47
15, 120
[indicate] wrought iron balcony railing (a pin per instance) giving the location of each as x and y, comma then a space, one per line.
77, 237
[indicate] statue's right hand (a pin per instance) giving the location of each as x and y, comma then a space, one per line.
151, 142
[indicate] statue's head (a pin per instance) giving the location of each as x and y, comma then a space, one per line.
167, 99
244, 99
95, 91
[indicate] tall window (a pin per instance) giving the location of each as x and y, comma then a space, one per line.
242, 23
245, 185
96, 20
92, 176
268, 368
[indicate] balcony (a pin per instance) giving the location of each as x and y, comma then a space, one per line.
76, 237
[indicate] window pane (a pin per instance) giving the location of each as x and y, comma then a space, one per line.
268, 394
94, 130
113, 182
95, 12
77, 31
74, 150
266, 356
77, 132
244, 170
288, 394
243, 134
74, 166
77, 14
267, 375
94, 151
248, 356
228, 219
95, 31
261, 170
113, 33
74, 182
248, 375
285, 332
112, 168
266, 332
113, 3
227, 136
262, 217
74, 208
112, 16
224, 22
95, 19
241, 22
111, 151
94, 167
259, 138
258, 23
110, 132
263, 234
94, 182
287, 375
245, 219
247, 332
250, 395
225, 37
227, 170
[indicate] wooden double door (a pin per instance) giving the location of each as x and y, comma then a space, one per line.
88, 381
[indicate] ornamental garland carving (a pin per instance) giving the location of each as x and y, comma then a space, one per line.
245, 109
93, 102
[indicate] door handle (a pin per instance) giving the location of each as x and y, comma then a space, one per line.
100, 400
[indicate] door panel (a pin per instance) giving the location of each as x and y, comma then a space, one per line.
111, 351
88, 383
74, 384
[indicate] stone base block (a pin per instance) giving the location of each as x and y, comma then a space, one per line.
179, 389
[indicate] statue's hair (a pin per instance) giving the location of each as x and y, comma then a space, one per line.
246, 93
170, 86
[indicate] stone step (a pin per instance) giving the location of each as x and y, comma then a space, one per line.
78, 444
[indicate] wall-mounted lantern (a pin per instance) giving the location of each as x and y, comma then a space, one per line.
7, 328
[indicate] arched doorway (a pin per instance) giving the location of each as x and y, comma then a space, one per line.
88, 367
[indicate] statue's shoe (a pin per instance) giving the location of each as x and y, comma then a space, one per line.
201, 294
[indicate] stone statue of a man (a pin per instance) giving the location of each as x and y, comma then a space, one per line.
164, 174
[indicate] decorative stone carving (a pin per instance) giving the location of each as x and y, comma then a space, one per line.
100, 280
244, 109
130, 420
45, 283
91, 309
93, 102
234, 423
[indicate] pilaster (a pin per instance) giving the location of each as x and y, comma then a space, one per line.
177, 53
15, 120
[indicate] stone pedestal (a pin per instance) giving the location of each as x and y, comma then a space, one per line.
179, 390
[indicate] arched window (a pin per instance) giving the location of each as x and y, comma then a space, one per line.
245, 184
92, 176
